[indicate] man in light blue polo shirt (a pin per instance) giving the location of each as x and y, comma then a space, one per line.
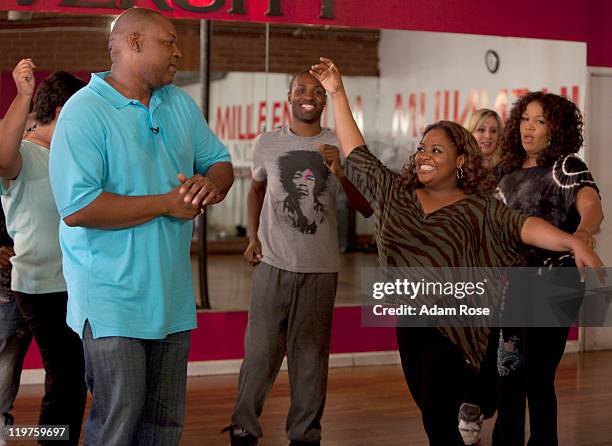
132, 163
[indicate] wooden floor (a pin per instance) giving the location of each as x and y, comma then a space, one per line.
369, 406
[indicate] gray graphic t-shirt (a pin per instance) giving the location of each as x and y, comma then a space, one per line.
297, 228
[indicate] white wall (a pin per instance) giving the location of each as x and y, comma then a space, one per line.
448, 72
242, 105
446, 77
599, 158
443, 74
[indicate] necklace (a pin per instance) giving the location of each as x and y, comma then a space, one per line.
32, 137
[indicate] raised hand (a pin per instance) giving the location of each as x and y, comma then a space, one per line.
23, 75
331, 156
328, 74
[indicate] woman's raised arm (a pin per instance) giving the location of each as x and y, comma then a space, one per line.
346, 128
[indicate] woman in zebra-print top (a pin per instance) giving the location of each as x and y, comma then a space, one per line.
438, 212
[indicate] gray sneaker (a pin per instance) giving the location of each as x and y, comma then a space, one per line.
470, 423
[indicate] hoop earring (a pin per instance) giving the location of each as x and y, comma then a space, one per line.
459, 173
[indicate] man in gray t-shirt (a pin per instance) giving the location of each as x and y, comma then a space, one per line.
297, 225
293, 240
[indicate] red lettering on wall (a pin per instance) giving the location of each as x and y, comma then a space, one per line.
576, 94
240, 121
286, 120
261, 119
222, 123
446, 104
246, 121
518, 92
405, 120
275, 118
249, 112
235, 130
470, 107
441, 105
358, 113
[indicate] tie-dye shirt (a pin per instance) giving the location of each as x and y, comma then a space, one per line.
550, 193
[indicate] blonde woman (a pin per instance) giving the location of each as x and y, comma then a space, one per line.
486, 126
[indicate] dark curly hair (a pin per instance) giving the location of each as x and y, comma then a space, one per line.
564, 121
53, 92
476, 178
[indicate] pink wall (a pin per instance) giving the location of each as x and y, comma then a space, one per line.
578, 20
220, 336
575, 20
8, 89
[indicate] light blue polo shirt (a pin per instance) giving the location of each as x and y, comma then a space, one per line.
134, 282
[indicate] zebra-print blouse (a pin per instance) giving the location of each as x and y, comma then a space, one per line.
478, 231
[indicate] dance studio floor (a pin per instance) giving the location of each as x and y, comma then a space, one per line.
369, 406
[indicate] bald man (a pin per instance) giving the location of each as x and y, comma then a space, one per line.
132, 163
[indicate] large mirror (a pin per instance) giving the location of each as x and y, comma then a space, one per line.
398, 81
251, 66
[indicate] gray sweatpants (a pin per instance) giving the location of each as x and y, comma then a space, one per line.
289, 313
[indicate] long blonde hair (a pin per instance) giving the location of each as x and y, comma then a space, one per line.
476, 119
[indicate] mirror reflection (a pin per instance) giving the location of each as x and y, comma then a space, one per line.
397, 82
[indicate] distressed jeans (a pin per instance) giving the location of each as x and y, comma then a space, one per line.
15, 339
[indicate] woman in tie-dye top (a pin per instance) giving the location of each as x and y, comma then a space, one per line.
543, 177
438, 213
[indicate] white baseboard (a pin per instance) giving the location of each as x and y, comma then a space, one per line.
33, 376
232, 366
572, 347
